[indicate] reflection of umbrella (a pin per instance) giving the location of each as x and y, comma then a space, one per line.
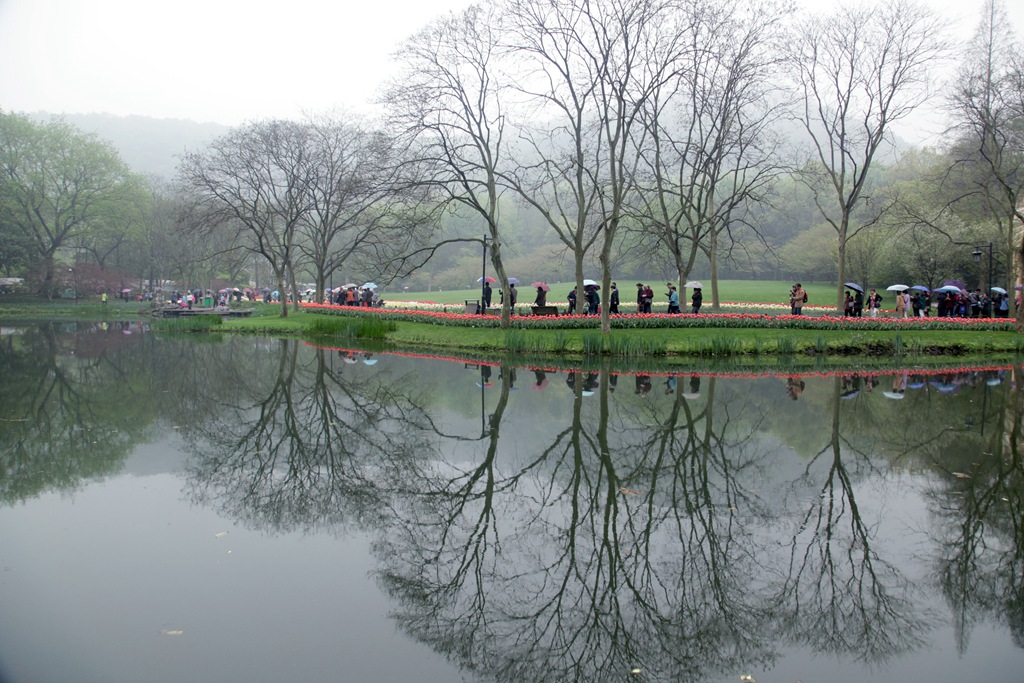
998, 290
897, 288
993, 381
587, 392
542, 285
944, 387
543, 383
917, 385
349, 359
854, 285
590, 283
693, 284
892, 394
850, 394
369, 361
921, 288
488, 279
691, 395
370, 285
485, 384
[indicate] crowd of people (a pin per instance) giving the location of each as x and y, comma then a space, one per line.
366, 297
918, 303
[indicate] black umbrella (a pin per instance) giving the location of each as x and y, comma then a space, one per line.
854, 285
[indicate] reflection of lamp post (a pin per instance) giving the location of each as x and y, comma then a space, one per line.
977, 259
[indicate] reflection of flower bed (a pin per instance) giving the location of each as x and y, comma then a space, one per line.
663, 320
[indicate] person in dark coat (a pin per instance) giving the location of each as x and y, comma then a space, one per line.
542, 297
696, 300
613, 300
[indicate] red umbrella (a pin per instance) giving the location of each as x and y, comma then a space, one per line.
489, 279
542, 285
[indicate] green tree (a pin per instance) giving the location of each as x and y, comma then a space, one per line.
60, 185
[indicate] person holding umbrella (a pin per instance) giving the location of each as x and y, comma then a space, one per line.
542, 295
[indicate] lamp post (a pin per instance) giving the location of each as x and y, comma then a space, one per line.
483, 276
977, 259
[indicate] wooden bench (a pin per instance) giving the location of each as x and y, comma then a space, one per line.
545, 310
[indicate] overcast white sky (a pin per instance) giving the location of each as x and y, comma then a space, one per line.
229, 61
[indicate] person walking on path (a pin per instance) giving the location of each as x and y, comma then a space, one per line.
613, 300
673, 299
901, 305
874, 302
695, 300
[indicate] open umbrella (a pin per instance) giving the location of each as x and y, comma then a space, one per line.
998, 290
897, 288
350, 285
488, 279
949, 289
542, 285
513, 281
370, 285
854, 285
921, 288
693, 284
125, 291
591, 283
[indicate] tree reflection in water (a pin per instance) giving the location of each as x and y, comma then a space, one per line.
632, 529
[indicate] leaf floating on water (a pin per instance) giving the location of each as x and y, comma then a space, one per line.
175, 632
629, 492
220, 534
961, 475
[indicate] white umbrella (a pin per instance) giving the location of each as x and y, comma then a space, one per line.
892, 394
370, 285
693, 284
589, 283
897, 288
998, 290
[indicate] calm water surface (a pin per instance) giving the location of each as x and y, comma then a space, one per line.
186, 509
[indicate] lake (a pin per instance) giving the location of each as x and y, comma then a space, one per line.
199, 508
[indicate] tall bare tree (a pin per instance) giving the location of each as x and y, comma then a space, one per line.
588, 70
258, 176
858, 70
986, 105
710, 153
447, 101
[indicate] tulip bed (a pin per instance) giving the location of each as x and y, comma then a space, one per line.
666, 321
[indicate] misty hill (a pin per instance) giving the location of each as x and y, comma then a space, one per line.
148, 145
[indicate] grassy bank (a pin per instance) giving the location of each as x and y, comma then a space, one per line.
708, 342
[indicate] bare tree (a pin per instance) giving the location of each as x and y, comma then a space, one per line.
258, 175
710, 153
447, 102
588, 70
355, 207
986, 103
858, 70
